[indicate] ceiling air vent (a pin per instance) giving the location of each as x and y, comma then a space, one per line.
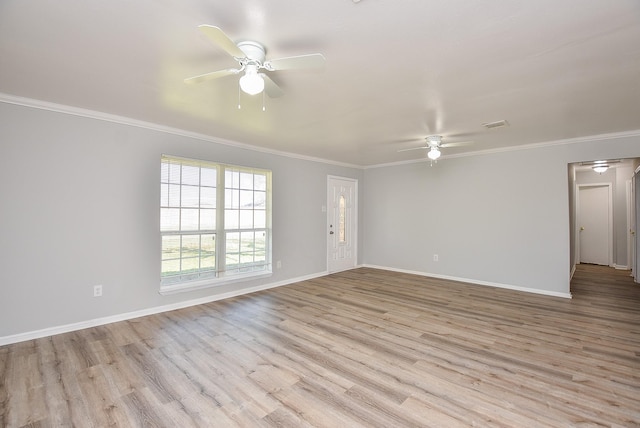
496, 124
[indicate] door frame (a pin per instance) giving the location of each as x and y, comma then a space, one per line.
329, 217
630, 226
635, 223
609, 187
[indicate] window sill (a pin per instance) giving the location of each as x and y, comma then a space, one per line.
182, 287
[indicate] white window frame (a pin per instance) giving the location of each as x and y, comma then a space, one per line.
228, 188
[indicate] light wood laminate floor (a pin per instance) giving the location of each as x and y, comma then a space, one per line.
359, 348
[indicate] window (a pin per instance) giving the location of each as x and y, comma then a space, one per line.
215, 222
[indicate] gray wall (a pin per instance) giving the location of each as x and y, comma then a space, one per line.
499, 218
80, 206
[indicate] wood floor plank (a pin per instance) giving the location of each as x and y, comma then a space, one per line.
360, 348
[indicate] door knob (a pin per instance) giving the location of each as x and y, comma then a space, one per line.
581, 229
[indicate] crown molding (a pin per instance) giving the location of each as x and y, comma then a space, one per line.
122, 120
92, 114
576, 140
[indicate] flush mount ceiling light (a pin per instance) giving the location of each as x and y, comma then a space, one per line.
600, 166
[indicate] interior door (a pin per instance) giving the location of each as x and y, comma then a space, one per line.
595, 225
342, 223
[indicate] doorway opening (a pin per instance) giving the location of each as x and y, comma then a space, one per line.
604, 214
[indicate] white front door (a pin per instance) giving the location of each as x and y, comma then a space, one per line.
341, 223
595, 225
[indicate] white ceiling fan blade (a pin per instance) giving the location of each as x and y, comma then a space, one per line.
460, 135
413, 148
217, 36
212, 75
296, 62
457, 144
409, 140
271, 88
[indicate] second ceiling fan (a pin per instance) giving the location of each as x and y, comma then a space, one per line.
251, 58
434, 144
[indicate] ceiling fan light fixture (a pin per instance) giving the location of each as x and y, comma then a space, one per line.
434, 153
434, 140
252, 83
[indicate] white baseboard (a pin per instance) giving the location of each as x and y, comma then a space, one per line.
621, 267
477, 282
50, 331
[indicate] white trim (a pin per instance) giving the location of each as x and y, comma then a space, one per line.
635, 222
50, 331
630, 210
92, 114
356, 266
182, 287
621, 267
474, 281
573, 270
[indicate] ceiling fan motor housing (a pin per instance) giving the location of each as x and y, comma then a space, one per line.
434, 140
253, 50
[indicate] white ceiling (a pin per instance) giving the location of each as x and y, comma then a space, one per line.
396, 71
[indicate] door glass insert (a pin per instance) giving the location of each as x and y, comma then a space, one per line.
342, 234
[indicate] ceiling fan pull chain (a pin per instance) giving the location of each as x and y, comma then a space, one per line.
239, 106
263, 107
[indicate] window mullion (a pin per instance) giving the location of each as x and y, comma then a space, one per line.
200, 218
180, 218
221, 257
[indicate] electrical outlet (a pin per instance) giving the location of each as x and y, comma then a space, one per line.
278, 264
435, 257
97, 291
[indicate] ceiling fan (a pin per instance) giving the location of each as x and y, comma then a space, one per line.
434, 144
251, 57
